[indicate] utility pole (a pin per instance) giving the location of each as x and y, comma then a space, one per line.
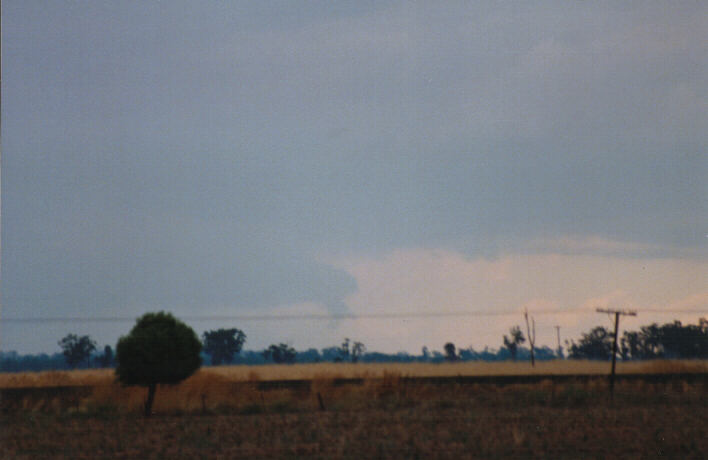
617, 314
560, 350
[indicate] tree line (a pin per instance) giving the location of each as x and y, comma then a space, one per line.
225, 346
668, 341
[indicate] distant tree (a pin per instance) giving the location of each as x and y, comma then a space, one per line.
343, 352
467, 354
331, 354
631, 345
546, 353
671, 340
106, 359
512, 344
679, 341
650, 345
437, 357
281, 353
531, 334
13, 362
596, 344
223, 344
450, 352
350, 351
311, 355
77, 349
425, 353
358, 350
160, 349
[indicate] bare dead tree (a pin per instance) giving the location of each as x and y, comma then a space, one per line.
531, 335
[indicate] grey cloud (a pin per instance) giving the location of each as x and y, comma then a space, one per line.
201, 155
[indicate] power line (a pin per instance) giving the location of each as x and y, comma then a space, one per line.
657, 310
327, 316
309, 316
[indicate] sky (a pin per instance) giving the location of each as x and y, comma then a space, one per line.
352, 158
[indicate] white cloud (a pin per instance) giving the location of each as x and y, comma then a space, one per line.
424, 281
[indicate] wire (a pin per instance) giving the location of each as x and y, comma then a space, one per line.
315, 316
332, 316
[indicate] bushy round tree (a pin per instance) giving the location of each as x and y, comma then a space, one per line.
160, 349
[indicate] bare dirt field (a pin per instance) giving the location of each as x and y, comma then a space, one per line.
209, 416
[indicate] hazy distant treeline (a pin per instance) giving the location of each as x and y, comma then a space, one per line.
668, 341
11, 361
14, 362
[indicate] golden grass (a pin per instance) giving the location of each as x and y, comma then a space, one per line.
471, 368
673, 367
328, 371
57, 378
220, 390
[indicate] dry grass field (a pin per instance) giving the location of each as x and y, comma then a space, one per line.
360, 370
217, 413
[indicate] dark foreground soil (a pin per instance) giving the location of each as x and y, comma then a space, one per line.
509, 424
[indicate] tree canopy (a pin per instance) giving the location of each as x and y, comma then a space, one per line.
281, 353
160, 349
450, 352
106, 359
596, 344
512, 344
77, 349
350, 351
223, 344
671, 340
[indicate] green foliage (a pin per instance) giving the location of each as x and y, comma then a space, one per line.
671, 340
222, 344
512, 344
160, 349
596, 344
281, 353
358, 350
106, 359
349, 351
450, 352
77, 349
343, 351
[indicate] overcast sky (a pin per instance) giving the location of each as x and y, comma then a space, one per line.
241, 158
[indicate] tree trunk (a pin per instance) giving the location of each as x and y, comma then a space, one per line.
150, 399
531, 334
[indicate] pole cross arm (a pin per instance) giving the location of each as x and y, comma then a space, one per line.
618, 312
